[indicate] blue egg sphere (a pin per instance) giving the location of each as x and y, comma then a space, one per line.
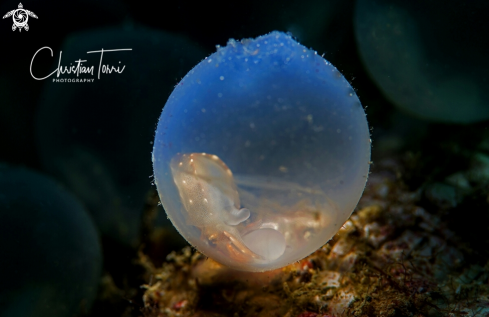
51, 254
261, 153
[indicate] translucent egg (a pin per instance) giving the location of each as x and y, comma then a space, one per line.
51, 254
429, 58
261, 153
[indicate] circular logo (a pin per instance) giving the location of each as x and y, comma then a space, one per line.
20, 17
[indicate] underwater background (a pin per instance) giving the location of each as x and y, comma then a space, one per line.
83, 234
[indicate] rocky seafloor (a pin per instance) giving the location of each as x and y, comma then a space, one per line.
411, 248
416, 245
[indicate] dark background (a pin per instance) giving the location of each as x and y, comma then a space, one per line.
439, 149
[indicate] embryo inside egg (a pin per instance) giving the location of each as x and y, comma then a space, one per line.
261, 153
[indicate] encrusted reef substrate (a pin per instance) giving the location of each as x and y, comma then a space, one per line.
396, 256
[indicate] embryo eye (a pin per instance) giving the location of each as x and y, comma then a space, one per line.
261, 153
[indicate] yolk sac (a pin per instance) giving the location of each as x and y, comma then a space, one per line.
261, 153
